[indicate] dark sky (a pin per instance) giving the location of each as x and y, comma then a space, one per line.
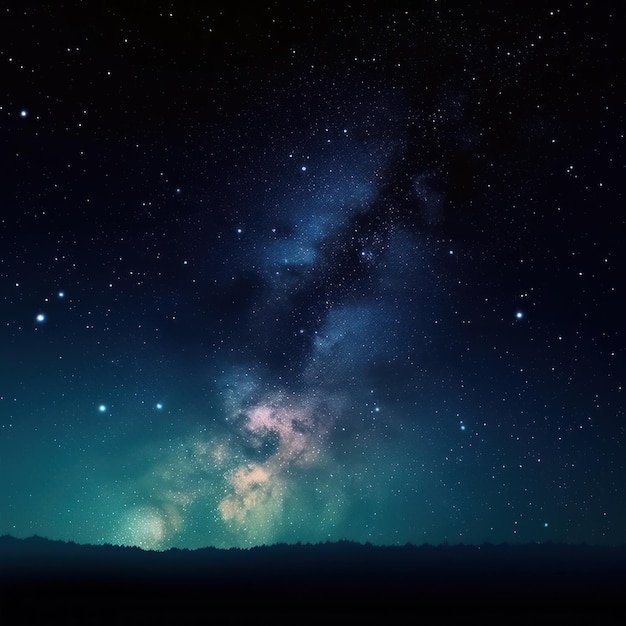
280, 272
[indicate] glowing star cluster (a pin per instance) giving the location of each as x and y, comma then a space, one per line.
148, 527
288, 428
254, 488
293, 425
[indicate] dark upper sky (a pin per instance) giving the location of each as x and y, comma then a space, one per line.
312, 271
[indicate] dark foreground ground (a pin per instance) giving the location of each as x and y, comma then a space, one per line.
41, 580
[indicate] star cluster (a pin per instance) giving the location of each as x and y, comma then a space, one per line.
300, 273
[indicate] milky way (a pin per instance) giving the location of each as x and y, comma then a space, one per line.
301, 274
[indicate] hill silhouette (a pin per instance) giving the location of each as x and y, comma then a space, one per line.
344, 577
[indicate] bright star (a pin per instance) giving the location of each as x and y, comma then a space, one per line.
102, 408
519, 315
159, 406
61, 294
23, 113
41, 318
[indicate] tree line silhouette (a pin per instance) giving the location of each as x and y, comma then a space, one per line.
361, 578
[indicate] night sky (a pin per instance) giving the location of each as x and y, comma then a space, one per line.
304, 272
